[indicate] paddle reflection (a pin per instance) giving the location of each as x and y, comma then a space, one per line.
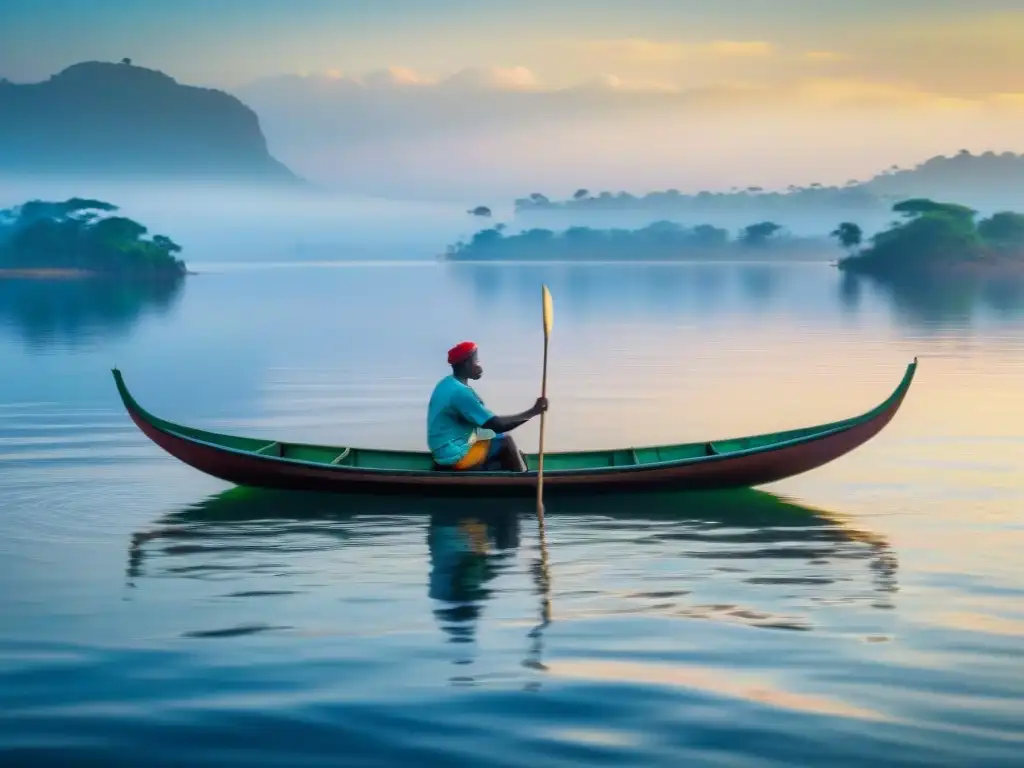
742, 557
541, 572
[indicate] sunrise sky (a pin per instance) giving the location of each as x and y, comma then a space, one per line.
839, 88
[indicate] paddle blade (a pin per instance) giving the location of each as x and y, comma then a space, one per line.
549, 310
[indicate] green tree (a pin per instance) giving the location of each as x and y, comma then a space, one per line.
36, 210
165, 244
849, 235
1004, 228
921, 206
759, 234
117, 232
707, 236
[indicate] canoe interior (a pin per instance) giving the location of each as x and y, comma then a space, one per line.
372, 459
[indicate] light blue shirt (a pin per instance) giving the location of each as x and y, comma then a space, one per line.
454, 417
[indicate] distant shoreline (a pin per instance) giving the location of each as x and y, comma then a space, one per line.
47, 274
58, 273
705, 260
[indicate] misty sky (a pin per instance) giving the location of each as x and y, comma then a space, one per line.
604, 93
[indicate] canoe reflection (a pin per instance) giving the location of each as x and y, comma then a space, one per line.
775, 559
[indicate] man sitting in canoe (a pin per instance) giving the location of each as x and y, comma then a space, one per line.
462, 432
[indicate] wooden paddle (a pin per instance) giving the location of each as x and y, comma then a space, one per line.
549, 321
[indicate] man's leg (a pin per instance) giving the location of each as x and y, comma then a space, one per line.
511, 458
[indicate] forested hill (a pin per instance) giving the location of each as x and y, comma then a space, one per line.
103, 119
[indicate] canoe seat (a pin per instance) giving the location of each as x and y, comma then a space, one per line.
710, 450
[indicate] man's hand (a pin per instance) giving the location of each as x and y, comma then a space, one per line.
540, 406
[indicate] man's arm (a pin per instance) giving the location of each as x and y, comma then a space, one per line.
502, 424
476, 413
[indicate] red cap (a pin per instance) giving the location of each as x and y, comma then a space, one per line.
461, 352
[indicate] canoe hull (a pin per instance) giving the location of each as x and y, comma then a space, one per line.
719, 472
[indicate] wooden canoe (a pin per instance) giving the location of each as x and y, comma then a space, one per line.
714, 465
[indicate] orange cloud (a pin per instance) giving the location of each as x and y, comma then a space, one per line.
741, 48
855, 91
616, 83
496, 78
792, 88
968, 56
636, 49
396, 76
641, 50
823, 56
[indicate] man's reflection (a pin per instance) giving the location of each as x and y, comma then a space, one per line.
466, 553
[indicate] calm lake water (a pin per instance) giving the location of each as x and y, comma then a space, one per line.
869, 612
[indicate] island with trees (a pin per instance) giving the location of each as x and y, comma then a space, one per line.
80, 237
936, 240
662, 240
930, 239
